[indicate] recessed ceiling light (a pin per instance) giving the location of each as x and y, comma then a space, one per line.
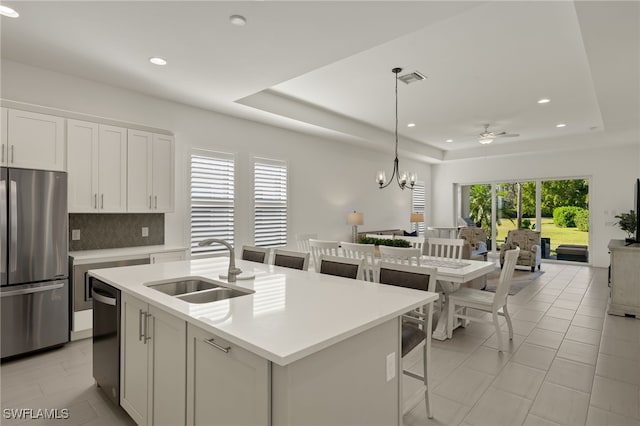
158, 61
238, 20
411, 125
449, 140
544, 101
561, 125
8, 12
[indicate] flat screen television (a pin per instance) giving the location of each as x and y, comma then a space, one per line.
637, 207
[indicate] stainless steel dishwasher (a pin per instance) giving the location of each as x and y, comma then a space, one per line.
106, 338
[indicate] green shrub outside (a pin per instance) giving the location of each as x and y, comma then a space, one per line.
385, 242
582, 220
565, 216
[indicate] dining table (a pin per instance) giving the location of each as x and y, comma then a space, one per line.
451, 275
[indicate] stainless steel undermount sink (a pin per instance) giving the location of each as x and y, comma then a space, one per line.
185, 286
196, 290
213, 295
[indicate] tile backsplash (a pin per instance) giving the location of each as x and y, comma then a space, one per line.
115, 230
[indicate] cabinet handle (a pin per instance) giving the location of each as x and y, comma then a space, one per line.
140, 334
149, 202
156, 197
2, 159
102, 201
217, 346
146, 327
95, 201
11, 154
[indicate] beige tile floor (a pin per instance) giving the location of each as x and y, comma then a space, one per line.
569, 364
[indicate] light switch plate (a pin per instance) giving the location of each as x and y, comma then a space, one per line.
391, 366
145, 231
75, 234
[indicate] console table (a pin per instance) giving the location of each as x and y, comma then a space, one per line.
624, 279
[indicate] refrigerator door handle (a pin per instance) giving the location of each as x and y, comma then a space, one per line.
3, 223
31, 290
13, 217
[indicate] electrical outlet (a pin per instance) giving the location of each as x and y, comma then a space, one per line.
145, 231
391, 366
75, 234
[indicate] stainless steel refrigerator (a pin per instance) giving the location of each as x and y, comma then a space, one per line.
34, 285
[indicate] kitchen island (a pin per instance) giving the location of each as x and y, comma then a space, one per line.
303, 348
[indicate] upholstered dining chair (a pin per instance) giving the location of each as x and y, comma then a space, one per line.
340, 266
291, 259
318, 247
494, 303
361, 251
404, 255
255, 254
417, 324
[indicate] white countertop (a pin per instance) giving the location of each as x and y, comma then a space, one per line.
292, 313
124, 253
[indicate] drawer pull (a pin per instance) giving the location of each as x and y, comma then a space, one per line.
217, 346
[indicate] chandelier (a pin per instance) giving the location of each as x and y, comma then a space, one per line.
402, 178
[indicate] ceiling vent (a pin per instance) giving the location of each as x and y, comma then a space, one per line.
411, 77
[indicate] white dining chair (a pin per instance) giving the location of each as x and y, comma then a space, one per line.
302, 241
361, 251
319, 247
340, 266
417, 324
416, 242
403, 255
445, 248
291, 259
494, 303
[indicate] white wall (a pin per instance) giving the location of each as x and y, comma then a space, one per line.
327, 178
612, 172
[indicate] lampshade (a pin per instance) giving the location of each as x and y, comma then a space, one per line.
355, 218
417, 217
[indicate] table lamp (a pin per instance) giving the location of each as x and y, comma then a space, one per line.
416, 218
354, 219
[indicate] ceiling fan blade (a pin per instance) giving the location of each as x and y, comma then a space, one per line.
507, 135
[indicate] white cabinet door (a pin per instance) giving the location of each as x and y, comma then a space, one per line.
112, 166
168, 369
3, 137
82, 160
134, 390
167, 256
163, 173
226, 385
150, 183
139, 192
153, 364
35, 141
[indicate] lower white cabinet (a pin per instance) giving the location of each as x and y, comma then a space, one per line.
153, 364
226, 384
625, 279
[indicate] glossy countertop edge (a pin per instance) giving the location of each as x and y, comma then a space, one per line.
122, 253
133, 282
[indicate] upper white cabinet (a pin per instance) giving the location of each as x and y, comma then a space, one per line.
3, 137
35, 141
97, 166
150, 166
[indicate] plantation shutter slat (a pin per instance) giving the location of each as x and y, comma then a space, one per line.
212, 200
270, 203
417, 203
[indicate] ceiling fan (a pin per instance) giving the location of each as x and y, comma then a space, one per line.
488, 137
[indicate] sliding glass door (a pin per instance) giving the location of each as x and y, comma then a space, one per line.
558, 208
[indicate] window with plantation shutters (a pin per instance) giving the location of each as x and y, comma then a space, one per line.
417, 203
270, 203
212, 199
